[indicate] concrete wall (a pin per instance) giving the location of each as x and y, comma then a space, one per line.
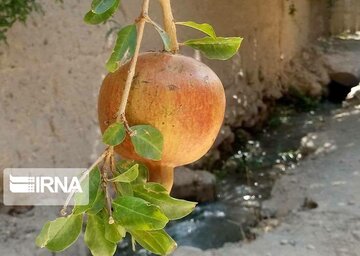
51, 71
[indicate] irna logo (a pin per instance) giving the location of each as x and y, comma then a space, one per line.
33, 184
45, 186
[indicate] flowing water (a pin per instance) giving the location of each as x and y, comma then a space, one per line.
250, 175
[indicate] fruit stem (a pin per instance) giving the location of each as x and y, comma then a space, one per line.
162, 174
169, 24
141, 21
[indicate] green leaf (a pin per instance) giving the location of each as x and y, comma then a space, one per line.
101, 6
158, 241
125, 189
219, 48
136, 213
148, 142
89, 185
156, 194
93, 18
123, 165
143, 175
43, 237
94, 183
114, 232
99, 202
114, 134
204, 27
95, 237
61, 233
128, 176
124, 47
164, 36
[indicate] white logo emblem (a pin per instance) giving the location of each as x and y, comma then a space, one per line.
32, 184
22, 184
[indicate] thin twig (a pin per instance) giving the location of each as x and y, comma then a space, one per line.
82, 178
113, 171
141, 25
169, 24
105, 170
127, 126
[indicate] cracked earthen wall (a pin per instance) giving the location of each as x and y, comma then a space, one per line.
345, 16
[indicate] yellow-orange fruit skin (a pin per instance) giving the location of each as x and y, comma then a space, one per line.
178, 95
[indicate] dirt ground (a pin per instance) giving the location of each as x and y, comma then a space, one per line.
317, 206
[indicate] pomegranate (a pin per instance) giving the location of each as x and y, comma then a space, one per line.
178, 95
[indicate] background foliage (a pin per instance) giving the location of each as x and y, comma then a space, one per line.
15, 10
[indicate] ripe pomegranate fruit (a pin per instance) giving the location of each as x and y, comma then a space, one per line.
178, 95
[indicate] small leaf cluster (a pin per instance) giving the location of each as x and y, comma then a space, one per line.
147, 140
211, 46
140, 208
16, 10
101, 11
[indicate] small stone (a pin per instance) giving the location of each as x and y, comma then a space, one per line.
294, 180
353, 98
351, 203
284, 242
194, 185
292, 242
309, 204
310, 247
187, 251
308, 146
